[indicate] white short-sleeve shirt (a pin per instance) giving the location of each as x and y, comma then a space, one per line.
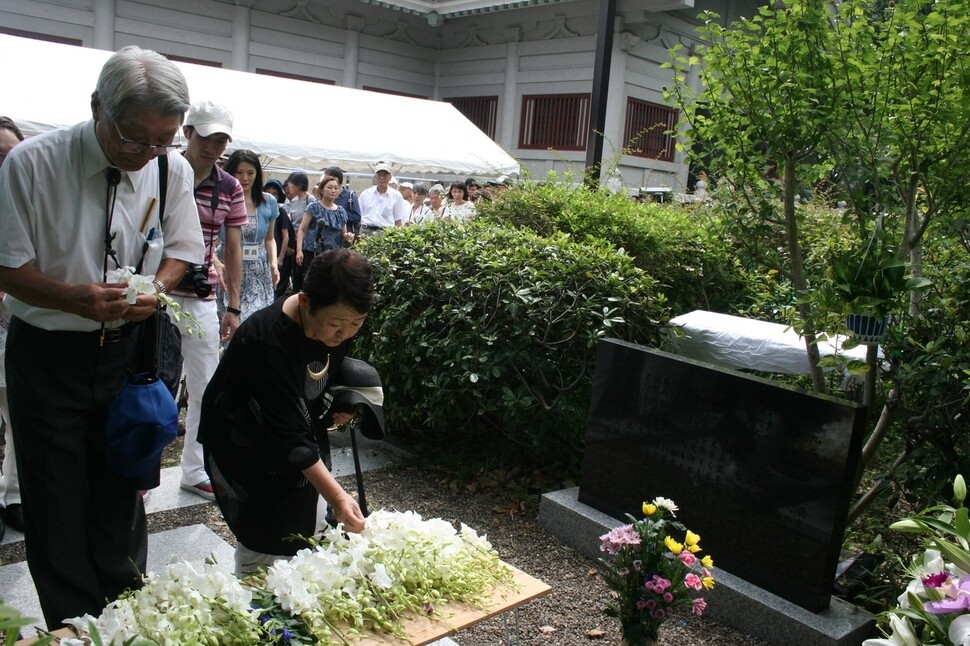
382, 209
53, 206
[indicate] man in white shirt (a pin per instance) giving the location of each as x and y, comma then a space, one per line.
382, 206
76, 203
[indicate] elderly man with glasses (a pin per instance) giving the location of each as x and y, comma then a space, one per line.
76, 203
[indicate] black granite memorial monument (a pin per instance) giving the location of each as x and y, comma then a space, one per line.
763, 472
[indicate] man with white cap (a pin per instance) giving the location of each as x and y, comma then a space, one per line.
221, 202
382, 206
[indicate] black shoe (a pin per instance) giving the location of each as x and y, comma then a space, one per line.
14, 515
3, 528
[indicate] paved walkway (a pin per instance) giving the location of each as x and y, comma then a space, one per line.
194, 543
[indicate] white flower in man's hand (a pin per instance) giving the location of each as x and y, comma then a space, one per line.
121, 274
137, 284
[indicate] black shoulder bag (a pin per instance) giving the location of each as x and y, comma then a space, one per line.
159, 348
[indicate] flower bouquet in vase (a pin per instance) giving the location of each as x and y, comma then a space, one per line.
653, 568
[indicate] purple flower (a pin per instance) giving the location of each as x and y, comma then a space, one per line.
958, 598
658, 614
668, 598
936, 580
641, 604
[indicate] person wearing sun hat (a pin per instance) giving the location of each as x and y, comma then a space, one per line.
382, 206
221, 203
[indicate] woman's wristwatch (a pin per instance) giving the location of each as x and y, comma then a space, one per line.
234, 310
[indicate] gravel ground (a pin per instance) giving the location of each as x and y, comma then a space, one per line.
570, 615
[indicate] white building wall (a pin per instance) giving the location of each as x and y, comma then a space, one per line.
547, 49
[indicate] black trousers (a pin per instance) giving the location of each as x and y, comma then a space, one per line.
286, 271
84, 526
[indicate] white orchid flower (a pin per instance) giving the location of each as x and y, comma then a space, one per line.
902, 634
959, 632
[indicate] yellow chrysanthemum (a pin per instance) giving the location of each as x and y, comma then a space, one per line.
673, 545
649, 509
708, 582
692, 538
707, 561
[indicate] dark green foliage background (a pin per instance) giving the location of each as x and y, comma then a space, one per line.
485, 337
680, 247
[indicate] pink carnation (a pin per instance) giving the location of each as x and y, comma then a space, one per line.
699, 607
687, 558
693, 581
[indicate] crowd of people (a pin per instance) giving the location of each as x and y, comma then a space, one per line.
265, 268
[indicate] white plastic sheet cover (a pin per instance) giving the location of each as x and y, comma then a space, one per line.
748, 344
291, 124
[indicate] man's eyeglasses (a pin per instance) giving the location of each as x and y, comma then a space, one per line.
138, 148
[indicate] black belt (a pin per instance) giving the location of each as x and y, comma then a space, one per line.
371, 228
111, 334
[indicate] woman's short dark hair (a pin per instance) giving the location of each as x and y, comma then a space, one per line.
461, 185
340, 276
242, 155
335, 171
299, 180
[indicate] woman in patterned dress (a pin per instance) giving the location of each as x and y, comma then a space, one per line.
460, 207
260, 271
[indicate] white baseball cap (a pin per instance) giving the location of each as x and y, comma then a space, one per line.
406, 185
209, 118
382, 166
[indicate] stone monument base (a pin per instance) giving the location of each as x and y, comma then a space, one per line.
733, 602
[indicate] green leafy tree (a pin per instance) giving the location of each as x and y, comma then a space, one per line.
765, 101
875, 97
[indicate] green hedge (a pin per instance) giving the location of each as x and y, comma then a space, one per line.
680, 247
485, 335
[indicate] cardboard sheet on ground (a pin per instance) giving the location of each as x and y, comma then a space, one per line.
748, 344
291, 124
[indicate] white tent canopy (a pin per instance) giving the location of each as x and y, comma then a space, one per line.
291, 124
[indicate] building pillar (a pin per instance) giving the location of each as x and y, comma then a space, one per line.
506, 123
241, 22
352, 51
616, 99
104, 24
